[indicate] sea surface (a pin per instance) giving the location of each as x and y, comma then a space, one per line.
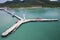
31, 30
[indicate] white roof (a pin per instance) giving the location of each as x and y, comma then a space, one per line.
3, 1
53, 0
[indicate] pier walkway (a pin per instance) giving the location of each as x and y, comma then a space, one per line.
15, 26
21, 21
12, 13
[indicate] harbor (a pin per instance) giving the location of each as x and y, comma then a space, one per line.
21, 20
14, 27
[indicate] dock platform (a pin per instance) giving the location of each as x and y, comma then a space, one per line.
21, 21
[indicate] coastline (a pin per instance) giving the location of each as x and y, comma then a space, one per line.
30, 7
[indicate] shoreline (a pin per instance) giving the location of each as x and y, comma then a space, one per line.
30, 7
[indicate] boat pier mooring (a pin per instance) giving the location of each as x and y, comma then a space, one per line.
21, 21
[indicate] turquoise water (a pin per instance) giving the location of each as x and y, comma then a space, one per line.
32, 30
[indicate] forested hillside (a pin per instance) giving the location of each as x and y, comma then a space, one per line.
29, 3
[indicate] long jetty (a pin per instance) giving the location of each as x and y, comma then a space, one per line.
15, 26
21, 21
12, 13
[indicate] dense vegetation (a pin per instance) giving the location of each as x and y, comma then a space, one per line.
30, 3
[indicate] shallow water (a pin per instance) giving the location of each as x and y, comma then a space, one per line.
32, 30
